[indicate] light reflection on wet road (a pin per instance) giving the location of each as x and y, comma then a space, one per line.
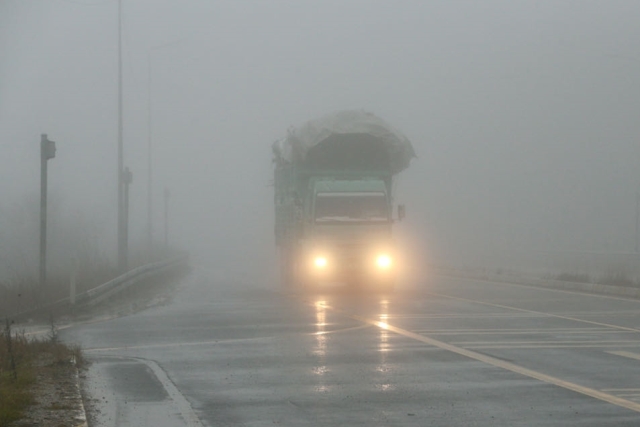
457, 352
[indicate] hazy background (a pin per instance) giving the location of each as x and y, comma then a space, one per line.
524, 116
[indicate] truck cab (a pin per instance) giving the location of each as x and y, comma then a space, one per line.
347, 234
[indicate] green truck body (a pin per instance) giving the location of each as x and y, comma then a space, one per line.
333, 200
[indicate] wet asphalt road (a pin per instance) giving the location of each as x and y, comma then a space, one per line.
454, 352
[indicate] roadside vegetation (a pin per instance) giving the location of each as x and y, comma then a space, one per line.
75, 243
78, 247
24, 363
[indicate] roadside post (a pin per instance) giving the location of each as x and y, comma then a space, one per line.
47, 151
166, 216
75, 266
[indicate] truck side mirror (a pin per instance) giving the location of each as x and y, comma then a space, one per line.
401, 212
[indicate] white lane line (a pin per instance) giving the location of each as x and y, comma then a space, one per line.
216, 342
524, 310
188, 415
556, 342
622, 313
82, 412
546, 288
42, 330
628, 354
180, 406
516, 330
337, 331
166, 345
634, 406
543, 346
467, 315
538, 332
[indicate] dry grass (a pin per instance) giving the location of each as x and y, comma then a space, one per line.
21, 360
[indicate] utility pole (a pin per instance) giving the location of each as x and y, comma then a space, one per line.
47, 151
122, 229
166, 216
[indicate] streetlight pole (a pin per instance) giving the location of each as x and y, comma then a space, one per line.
47, 151
149, 163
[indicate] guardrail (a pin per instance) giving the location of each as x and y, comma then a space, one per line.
120, 283
112, 287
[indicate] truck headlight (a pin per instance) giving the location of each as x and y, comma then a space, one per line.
320, 262
383, 261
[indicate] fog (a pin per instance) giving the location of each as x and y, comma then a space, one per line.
524, 117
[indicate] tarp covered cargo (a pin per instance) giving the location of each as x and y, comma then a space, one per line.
365, 134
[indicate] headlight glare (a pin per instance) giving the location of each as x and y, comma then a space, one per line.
320, 262
383, 261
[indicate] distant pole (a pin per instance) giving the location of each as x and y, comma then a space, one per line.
122, 237
637, 220
127, 179
166, 216
47, 151
75, 267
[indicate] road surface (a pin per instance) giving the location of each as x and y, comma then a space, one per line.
453, 352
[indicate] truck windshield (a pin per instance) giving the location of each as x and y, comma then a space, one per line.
351, 207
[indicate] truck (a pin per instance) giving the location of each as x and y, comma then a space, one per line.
334, 205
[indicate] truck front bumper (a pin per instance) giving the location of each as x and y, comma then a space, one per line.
349, 264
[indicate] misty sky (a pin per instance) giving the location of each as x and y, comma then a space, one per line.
524, 114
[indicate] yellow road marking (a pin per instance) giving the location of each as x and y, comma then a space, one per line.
628, 354
634, 406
